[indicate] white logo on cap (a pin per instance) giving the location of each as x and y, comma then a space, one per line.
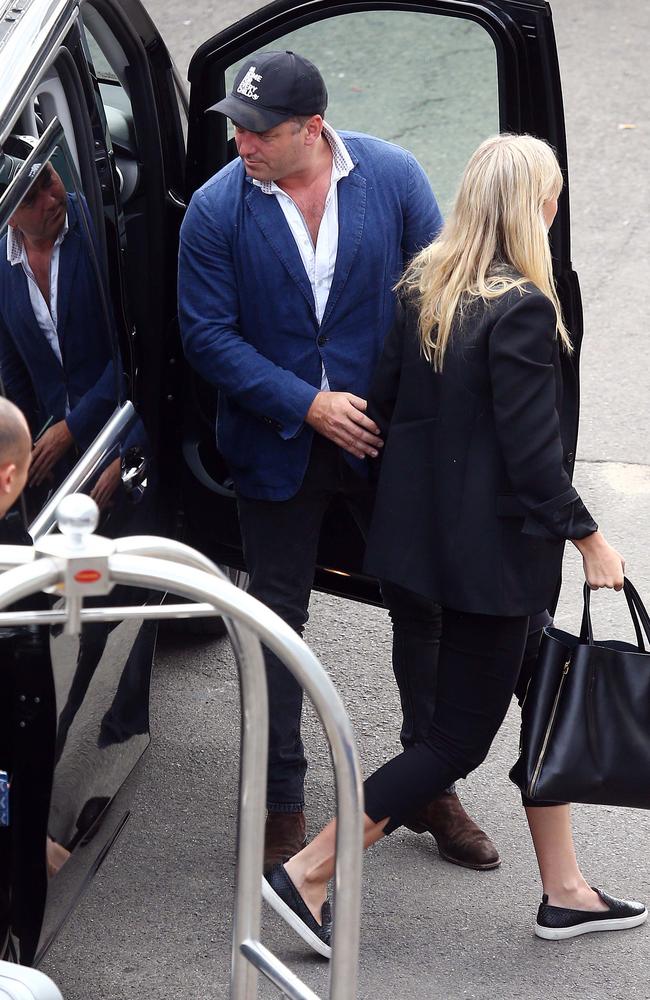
247, 87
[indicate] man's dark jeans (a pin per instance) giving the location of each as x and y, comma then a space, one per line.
280, 544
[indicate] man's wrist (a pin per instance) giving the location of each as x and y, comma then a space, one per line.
313, 405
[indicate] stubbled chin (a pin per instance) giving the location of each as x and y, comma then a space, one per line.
255, 170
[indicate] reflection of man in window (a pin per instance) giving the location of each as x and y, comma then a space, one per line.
55, 352
57, 365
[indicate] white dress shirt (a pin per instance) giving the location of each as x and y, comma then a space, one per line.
320, 260
46, 318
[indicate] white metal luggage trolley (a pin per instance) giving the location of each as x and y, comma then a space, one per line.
77, 564
20, 983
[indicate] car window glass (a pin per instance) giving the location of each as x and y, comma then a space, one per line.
103, 69
49, 103
60, 364
58, 356
426, 83
59, 97
110, 65
182, 99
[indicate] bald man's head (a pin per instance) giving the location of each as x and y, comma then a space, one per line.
15, 454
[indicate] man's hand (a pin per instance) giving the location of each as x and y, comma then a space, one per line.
103, 490
48, 450
603, 565
340, 416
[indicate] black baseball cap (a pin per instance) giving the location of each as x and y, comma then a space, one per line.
12, 157
9, 167
271, 87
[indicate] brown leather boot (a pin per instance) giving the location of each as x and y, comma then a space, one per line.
458, 837
284, 836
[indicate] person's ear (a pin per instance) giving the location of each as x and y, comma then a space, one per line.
7, 475
313, 129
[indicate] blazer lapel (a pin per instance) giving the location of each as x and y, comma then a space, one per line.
21, 291
68, 258
352, 212
38, 357
270, 218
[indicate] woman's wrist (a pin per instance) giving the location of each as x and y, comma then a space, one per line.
590, 543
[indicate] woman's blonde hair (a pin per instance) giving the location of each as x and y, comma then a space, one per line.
495, 239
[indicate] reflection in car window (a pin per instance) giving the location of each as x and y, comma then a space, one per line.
428, 83
60, 362
57, 347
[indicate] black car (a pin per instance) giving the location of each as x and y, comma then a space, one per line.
89, 94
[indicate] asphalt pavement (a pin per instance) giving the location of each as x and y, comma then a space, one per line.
156, 923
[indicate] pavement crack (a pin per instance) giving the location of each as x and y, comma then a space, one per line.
611, 461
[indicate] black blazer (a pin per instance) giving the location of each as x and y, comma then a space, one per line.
474, 499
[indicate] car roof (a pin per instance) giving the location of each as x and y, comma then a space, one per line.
30, 32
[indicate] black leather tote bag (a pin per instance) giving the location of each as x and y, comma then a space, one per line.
585, 723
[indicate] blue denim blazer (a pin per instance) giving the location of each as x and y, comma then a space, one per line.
247, 313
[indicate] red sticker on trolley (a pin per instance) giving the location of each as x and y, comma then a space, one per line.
88, 576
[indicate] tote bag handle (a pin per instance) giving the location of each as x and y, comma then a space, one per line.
638, 614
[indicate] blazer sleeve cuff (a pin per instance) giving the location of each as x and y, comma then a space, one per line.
294, 418
560, 518
77, 427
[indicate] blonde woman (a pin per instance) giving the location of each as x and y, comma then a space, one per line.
473, 508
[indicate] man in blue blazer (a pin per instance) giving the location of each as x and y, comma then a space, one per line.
288, 260
56, 357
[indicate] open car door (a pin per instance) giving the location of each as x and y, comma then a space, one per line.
435, 76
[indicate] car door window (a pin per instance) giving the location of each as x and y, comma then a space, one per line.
426, 83
126, 103
111, 65
59, 360
136, 96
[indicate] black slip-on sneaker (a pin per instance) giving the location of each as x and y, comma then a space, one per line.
554, 923
280, 893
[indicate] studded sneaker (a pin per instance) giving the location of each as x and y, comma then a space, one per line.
554, 923
281, 894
